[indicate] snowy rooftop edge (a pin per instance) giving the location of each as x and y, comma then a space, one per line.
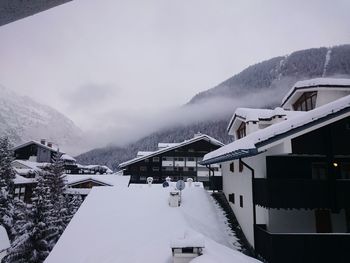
254, 114
249, 142
315, 83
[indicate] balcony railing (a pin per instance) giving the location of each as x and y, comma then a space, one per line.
302, 193
301, 248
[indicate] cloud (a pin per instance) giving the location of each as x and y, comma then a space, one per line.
124, 127
89, 94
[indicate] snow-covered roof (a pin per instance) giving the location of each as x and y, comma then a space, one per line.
106, 179
170, 148
138, 225
67, 158
189, 239
143, 153
166, 144
53, 148
22, 180
4, 239
316, 84
29, 164
96, 166
249, 145
249, 114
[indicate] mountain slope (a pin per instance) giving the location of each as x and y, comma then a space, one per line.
261, 85
309, 63
23, 119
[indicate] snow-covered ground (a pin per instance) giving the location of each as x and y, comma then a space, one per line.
136, 224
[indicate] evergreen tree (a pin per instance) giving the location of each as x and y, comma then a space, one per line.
35, 231
6, 171
6, 185
56, 181
74, 202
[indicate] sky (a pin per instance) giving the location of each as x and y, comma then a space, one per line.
109, 64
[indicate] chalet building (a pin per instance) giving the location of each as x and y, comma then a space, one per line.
40, 152
82, 184
287, 174
33, 158
174, 160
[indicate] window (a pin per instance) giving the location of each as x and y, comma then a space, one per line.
146, 160
319, 171
191, 169
231, 198
241, 201
190, 159
155, 168
155, 159
241, 131
181, 159
241, 166
306, 102
345, 170
232, 167
143, 168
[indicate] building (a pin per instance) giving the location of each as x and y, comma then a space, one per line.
82, 184
174, 160
287, 174
40, 152
33, 158
136, 224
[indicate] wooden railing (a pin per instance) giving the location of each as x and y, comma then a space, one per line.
301, 247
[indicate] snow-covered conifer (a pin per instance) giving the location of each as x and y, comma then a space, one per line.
34, 237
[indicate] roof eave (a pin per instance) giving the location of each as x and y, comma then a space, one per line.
231, 156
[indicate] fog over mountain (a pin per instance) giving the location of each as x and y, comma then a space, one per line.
260, 85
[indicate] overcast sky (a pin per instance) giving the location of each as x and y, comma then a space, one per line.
113, 61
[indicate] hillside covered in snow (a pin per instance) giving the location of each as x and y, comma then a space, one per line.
22, 119
261, 85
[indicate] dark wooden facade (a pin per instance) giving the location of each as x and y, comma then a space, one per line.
42, 153
152, 167
316, 176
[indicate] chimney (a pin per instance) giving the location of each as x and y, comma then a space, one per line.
197, 134
49, 144
43, 141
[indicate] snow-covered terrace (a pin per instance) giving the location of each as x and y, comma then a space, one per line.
252, 143
137, 225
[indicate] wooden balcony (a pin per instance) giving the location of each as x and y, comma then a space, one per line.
301, 248
302, 193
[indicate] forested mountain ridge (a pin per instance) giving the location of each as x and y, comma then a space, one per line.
260, 85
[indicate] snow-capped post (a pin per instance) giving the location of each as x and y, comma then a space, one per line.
149, 181
189, 181
180, 185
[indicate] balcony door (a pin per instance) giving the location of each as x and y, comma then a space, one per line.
323, 221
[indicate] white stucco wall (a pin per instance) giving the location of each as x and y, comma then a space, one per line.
240, 183
328, 95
